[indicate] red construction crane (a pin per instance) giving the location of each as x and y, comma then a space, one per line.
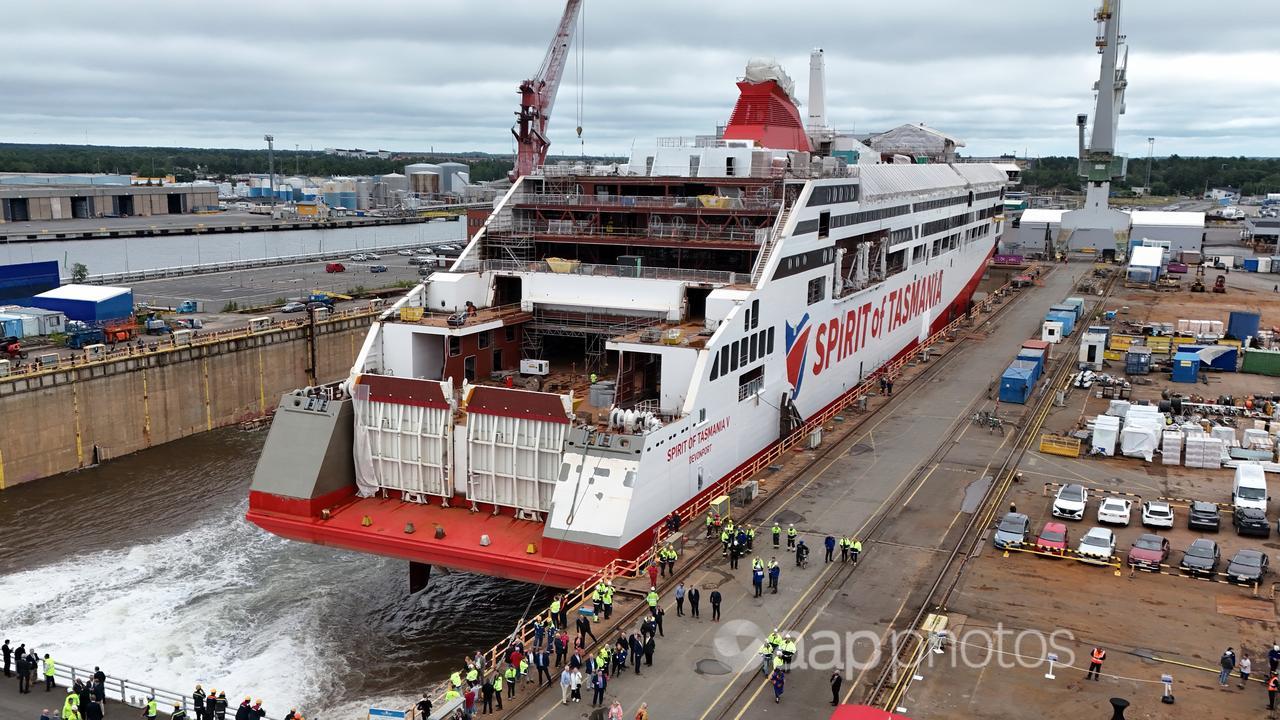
538, 95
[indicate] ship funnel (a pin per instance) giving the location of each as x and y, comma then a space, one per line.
817, 91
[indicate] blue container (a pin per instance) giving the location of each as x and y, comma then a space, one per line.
1103, 330
1033, 355
1077, 303
1226, 356
1068, 320
95, 305
1251, 264
20, 281
1065, 308
1241, 325
347, 200
10, 326
1137, 361
1186, 367
1016, 383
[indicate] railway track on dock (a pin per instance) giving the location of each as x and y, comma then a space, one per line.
895, 675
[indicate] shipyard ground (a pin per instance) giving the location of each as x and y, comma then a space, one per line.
1150, 624
883, 469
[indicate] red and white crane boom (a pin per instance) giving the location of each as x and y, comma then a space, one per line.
538, 96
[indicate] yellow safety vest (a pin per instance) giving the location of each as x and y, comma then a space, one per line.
857, 545
472, 675
451, 694
497, 683
652, 598
151, 708
555, 606
777, 530
49, 667
455, 679
791, 532
511, 674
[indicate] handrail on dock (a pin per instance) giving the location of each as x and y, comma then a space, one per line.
133, 692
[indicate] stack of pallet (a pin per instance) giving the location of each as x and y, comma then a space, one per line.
1171, 447
1203, 452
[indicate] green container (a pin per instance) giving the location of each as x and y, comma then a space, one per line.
1261, 362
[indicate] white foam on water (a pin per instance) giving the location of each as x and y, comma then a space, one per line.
216, 604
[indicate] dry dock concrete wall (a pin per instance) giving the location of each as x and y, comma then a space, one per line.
70, 417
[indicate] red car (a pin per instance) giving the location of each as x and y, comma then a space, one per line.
1053, 538
335, 268
1149, 552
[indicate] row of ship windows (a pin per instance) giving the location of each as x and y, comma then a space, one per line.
741, 353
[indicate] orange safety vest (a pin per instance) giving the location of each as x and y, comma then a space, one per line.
1273, 684
1099, 655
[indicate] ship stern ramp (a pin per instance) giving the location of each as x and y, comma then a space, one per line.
306, 463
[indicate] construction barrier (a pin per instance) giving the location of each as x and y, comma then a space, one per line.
1060, 445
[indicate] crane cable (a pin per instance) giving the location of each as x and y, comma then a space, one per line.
580, 72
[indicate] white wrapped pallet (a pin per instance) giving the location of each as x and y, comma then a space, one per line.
1257, 440
1106, 430
1118, 408
1227, 436
1203, 452
1171, 448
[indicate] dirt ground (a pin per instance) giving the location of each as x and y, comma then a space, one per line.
1150, 623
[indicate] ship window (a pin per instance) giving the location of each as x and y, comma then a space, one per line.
742, 352
455, 345
755, 349
715, 368
750, 383
755, 314
694, 160
484, 340
769, 343
817, 290
824, 224
746, 319
728, 167
724, 361
510, 333
733, 356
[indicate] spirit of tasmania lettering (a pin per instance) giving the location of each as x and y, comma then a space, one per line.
841, 337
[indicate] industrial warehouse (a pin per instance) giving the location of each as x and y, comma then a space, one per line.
21, 203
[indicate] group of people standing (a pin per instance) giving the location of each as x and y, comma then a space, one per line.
27, 664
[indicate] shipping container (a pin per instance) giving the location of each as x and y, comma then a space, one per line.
1036, 356
1068, 320
1251, 264
1137, 360
1262, 362
10, 326
1218, 357
1066, 308
1092, 347
1016, 383
1186, 367
48, 322
1077, 303
1241, 325
88, 303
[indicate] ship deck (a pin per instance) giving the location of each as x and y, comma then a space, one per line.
506, 556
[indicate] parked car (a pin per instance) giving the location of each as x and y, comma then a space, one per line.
1157, 514
1012, 530
425, 271
1203, 516
293, 307
1114, 511
406, 252
335, 268
1097, 545
377, 268
359, 257
1070, 502
1250, 521
1201, 557
372, 256
1247, 567
1148, 552
1053, 539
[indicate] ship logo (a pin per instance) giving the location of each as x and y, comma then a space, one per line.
797, 350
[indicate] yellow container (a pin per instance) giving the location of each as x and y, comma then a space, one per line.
411, 314
1120, 342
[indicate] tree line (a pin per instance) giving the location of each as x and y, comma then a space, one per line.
187, 164
1173, 175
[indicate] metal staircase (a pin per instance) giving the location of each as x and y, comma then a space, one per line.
766, 250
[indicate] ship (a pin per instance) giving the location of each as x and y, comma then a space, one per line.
616, 339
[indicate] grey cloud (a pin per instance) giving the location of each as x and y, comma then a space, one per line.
1004, 75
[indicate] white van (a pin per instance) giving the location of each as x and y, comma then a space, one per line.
1250, 487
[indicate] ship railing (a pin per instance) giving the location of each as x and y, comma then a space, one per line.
580, 596
663, 231
136, 692
706, 202
569, 267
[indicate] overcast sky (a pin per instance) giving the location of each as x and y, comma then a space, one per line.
1003, 75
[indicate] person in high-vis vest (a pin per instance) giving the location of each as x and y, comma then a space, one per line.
788, 651
844, 549
451, 694
751, 538
70, 706
50, 669
473, 675
711, 523
178, 713
1096, 656
777, 533
150, 711
1273, 687
791, 536
555, 611
855, 549
510, 675
607, 599
652, 600
766, 658
724, 542
455, 679
597, 597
